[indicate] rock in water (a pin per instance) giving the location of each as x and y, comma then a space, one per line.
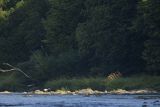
87, 91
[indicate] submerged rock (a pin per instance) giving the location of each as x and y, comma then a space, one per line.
87, 91
119, 91
40, 92
157, 102
62, 92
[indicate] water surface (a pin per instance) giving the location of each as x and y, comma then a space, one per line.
21, 100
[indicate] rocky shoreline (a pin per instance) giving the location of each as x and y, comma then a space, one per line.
87, 91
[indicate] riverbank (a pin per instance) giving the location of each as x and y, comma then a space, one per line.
102, 84
130, 85
90, 92
85, 92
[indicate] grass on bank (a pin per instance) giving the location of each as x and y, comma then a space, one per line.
136, 83
11, 83
77, 84
130, 83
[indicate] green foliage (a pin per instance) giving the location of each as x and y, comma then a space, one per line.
151, 53
22, 32
103, 39
7, 7
51, 39
42, 68
10, 82
19, 4
61, 23
3, 15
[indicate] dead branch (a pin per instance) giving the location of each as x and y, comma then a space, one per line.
13, 69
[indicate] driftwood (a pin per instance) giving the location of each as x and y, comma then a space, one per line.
13, 69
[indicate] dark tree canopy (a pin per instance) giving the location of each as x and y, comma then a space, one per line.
68, 38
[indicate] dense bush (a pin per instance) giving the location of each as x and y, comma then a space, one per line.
9, 82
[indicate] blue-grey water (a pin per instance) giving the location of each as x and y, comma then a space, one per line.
21, 100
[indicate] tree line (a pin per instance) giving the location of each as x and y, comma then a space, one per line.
49, 39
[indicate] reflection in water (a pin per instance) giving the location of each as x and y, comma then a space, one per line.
20, 100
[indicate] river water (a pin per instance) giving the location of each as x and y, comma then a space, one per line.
21, 100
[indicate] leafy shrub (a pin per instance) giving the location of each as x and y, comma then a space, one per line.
10, 83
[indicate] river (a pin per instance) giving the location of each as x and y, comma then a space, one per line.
22, 100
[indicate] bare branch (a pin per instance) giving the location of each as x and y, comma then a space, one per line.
8, 65
1, 70
13, 69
